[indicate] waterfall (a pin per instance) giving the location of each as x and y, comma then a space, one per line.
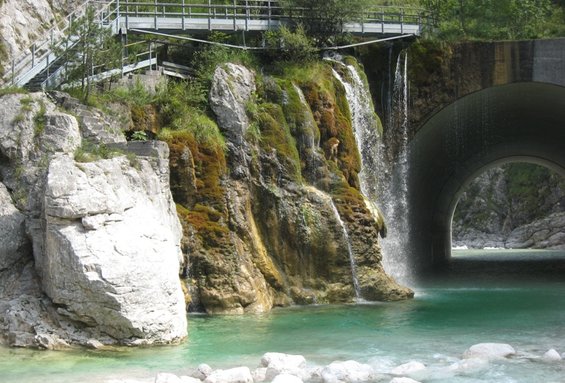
345, 236
384, 163
349, 250
365, 128
393, 185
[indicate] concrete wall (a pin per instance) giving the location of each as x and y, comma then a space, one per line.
472, 105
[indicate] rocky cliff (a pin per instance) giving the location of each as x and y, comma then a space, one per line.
517, 205
277, 217
90, 239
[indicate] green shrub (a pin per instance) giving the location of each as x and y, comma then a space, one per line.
284, 44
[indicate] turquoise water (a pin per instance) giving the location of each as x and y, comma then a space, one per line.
435, 328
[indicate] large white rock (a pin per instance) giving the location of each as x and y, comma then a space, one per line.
490, 351
233, 375
349, 372
408, 368
112, 250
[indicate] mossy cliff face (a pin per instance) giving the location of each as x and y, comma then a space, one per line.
260, 225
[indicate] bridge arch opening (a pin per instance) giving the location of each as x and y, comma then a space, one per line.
514, 122
515, 203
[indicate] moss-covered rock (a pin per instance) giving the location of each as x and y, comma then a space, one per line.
257, 234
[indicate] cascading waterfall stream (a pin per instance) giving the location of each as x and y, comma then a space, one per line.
393, 185
328, 198
384, 160
349, 250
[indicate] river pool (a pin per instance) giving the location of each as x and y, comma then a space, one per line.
435, 328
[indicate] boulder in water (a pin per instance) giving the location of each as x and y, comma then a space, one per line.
409, 368
349, 371
202, 371
490, 351
233, 375
552, 356
282, 361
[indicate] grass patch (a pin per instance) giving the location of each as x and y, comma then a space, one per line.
12, 90
39, 119
89, 152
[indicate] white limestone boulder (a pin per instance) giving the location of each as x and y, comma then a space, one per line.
118, 272
490, 351
348, 372
233, 375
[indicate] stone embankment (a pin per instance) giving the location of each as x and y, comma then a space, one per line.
286, 368
89, 236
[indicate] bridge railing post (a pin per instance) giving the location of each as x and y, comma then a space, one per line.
246, 15
209, 15
33, 55
155, 14
234, 15
182, 15
402, 21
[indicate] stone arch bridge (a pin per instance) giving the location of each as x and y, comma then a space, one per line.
474, 106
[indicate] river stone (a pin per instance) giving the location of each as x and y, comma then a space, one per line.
282, 361
259, 374
347, 372
202, 371
552, 356
403, 380
286, 378
118, 275
408, 368
468, 366
489, 351
233, 375
165, 377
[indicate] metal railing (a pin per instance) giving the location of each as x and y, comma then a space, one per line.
185, 16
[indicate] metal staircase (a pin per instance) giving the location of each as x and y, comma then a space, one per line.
40, 68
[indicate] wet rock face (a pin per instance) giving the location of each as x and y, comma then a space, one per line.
262, 237
90, 252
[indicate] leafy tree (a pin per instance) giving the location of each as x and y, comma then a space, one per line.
323, 19
88, 47
489, 19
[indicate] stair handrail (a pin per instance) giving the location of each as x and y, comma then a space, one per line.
40, 50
